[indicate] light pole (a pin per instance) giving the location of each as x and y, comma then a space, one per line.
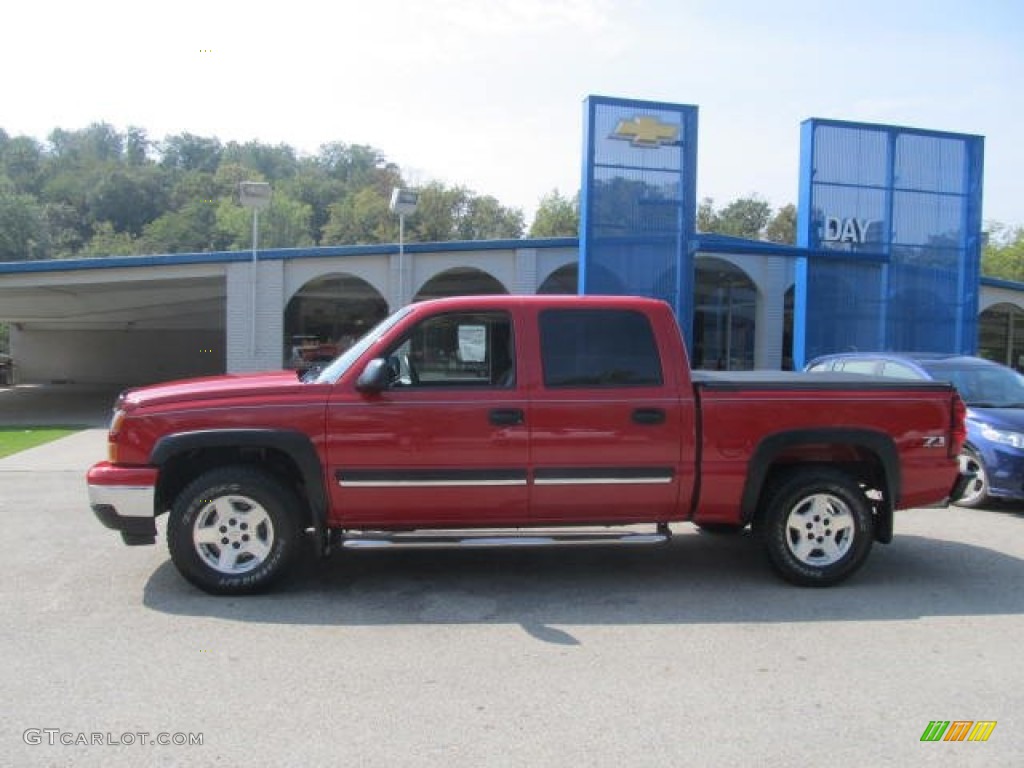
254, 195
403, 202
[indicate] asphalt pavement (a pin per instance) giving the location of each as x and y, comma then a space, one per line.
692, 653
40, 405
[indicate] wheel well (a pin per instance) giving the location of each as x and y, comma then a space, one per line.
860, 462
179, 470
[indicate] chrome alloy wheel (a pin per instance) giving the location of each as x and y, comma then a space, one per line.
976, 492
233, 534
819, 529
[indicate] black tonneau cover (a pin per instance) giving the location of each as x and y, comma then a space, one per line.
825, 380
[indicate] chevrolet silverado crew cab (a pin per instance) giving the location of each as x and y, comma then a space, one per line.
518, 420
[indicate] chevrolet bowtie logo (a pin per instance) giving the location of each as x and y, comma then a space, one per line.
646, 132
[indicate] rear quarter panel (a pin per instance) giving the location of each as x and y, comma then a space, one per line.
738, 413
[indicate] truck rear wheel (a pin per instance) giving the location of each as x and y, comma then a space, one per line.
233, 530
817, 527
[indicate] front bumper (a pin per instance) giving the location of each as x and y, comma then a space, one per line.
123, 499
1004, 469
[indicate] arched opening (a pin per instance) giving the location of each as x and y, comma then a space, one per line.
326, 316
725, 303
1001, 335
460, 281
564, 280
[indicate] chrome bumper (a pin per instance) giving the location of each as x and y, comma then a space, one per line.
128, 509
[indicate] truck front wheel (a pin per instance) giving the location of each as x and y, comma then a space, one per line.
817, 527
233, 530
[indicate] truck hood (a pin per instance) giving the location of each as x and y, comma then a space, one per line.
213, 388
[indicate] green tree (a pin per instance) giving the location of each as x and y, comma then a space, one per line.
128, 198
357, 166
136, 147
746, 217
188, 152
487, 219
67, 233
23, 231
707, 219
1003, 253
107, 241
556, 216
190, 228
438, 212
361, 218
273, 163
21, 160
782, 227
285, 224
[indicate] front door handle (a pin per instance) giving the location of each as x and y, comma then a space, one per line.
649, 416
507, 417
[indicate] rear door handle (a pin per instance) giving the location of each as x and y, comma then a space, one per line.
507, 417
649, 416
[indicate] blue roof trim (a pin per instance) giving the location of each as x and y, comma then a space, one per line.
890, 127
617, 101
998, 282
277, 254
708, 242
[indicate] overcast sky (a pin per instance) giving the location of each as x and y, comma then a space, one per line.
489, 94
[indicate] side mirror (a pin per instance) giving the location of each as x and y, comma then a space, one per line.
376, 376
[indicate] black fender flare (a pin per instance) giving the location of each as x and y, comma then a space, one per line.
878, 443
294, 444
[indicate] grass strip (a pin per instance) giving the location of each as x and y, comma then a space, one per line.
15, 439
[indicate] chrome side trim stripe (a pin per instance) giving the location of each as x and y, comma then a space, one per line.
347, 483
604, 476
602, 481
475, 478
429, 478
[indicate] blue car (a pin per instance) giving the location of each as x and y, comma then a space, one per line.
994, 395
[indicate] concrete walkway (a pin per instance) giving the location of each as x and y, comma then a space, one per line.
74, 453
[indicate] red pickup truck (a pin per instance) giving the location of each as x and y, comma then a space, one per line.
519, 420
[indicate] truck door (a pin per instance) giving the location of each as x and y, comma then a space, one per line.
446, 444
605, 420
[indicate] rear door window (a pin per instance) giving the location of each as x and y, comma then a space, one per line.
598, 348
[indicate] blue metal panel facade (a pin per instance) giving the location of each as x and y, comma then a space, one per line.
638, 201
900, 209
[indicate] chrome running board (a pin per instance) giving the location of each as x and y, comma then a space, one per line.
383, 540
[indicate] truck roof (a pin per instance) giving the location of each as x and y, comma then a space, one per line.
552, 300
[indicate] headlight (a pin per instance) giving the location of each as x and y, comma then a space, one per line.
1015, 439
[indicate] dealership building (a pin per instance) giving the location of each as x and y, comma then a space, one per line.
887, 257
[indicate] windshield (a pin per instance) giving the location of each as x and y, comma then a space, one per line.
982, 386
343, 362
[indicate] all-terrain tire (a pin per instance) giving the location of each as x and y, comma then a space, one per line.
817, 526
233, 530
